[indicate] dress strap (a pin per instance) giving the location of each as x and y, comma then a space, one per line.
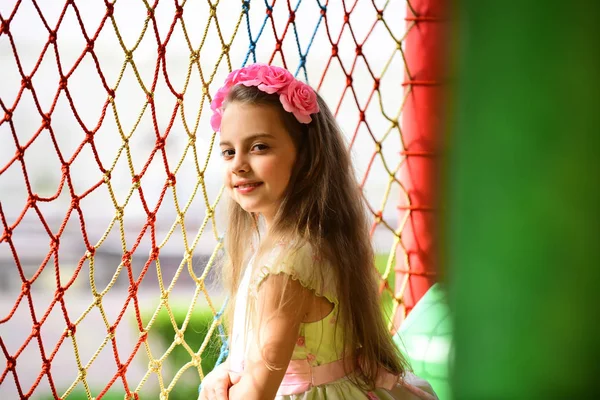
300, 376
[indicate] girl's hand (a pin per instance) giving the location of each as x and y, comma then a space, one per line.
217, 383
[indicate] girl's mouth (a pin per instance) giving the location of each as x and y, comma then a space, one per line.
247, 187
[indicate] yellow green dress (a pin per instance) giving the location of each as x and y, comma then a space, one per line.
315, 370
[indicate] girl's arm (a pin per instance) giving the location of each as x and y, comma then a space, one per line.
281, 307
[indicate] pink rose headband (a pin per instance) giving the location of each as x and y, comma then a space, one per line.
296, 97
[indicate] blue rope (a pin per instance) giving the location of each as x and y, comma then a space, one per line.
254, 41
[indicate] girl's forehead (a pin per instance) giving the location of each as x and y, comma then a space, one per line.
241, 121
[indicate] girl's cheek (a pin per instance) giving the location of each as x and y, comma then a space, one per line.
270, 166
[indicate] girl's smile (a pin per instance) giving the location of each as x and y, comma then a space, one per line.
246, 188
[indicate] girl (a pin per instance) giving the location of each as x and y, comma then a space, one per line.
307, 322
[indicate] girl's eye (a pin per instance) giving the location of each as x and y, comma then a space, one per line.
227, 153
260, 147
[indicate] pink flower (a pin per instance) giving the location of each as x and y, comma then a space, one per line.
301, 341
372, 396
310, 358
275, 79
215, 120
301, 100
252, 75
219, 98
296, 97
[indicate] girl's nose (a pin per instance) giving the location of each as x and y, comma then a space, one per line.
240, 164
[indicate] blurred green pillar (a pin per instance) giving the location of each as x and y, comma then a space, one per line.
523, 192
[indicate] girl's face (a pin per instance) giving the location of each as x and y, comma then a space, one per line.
259, 155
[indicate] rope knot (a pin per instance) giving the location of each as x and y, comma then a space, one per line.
90, 46
346, 17
196, 360
11, 363
31, 200
91, 251
46, 118
20, 153
359, 50
178, 11
45, 366
58, 295
26, 82
376, 84
154, 366
25, 288
54, 243
133, 288
62, 83
155, 253
334, 50
292, 17
178, 338
35, 329
52, 37
71, 329
110, 9
5, 26
8, 115
348, 80
171, 180
75, 202
89, 137
379, 15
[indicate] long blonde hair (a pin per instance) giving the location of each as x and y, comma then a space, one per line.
322, 206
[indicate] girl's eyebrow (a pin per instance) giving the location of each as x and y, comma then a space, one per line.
250, 138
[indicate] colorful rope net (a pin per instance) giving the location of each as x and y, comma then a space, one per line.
109, 183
